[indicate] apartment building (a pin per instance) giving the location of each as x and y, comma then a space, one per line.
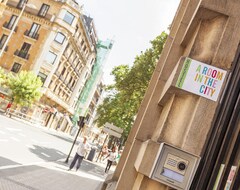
54, 40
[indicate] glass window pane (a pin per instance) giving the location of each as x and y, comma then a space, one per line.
51, 57
59, 38
34, 30
68, 18
12, 21
3, 40
16, 67
43, 11
42, 76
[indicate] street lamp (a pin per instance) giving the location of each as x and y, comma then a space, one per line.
15, 24
80, 126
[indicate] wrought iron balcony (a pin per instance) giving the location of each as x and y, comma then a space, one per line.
57, 73
22, 54
31, 35
9, 26
6, 48
61, 78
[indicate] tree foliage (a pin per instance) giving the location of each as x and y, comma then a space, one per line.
25, 87
125, 95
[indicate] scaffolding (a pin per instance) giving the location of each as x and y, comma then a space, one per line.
84, 100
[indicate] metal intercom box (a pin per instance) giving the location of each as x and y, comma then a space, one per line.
174, 167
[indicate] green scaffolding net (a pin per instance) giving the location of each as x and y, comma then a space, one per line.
103, 49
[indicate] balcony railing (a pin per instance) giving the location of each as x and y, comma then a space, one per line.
22, 54
58, 73
31, 35
29, 10
6, 48
61, 78
9, 27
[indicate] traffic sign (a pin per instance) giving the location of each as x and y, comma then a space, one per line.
114, 128
111, 132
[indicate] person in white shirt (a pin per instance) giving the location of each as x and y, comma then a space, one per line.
81, 151
112, 156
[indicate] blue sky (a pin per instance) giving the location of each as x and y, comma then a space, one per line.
131, 23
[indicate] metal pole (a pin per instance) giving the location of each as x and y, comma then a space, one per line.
102, 148
81, 121
12, 30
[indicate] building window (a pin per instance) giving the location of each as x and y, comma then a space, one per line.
3, 40
82, 42
42, 76
60, 38
68, 18
70, 80
21, 3
24, 50
51, 57
63, 71
73, 83
16, 67
33, 32
11, 21
43, 11
55, 89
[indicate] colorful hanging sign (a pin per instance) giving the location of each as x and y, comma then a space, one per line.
201, 79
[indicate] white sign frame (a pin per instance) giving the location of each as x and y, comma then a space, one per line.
201, 79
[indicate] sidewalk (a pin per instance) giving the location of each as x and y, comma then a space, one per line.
51, 176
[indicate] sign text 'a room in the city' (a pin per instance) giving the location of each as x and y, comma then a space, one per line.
201, 79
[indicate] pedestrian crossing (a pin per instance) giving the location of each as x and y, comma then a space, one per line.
16, 137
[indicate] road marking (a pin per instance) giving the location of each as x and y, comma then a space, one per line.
13, 129
2, 132
60, 153
15, 139
30, 146
40, 142
45, 155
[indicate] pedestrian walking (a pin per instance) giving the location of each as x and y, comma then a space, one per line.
7, 111
81, 151
104, 152
112, 156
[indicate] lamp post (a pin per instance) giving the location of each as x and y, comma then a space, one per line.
80, 126
15, 24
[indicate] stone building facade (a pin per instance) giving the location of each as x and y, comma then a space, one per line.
54, 40
207, 31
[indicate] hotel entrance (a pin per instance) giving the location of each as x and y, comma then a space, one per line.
220, 162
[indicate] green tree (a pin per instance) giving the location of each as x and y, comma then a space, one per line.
25, 87
125, 95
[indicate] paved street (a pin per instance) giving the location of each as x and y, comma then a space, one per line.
33, 158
